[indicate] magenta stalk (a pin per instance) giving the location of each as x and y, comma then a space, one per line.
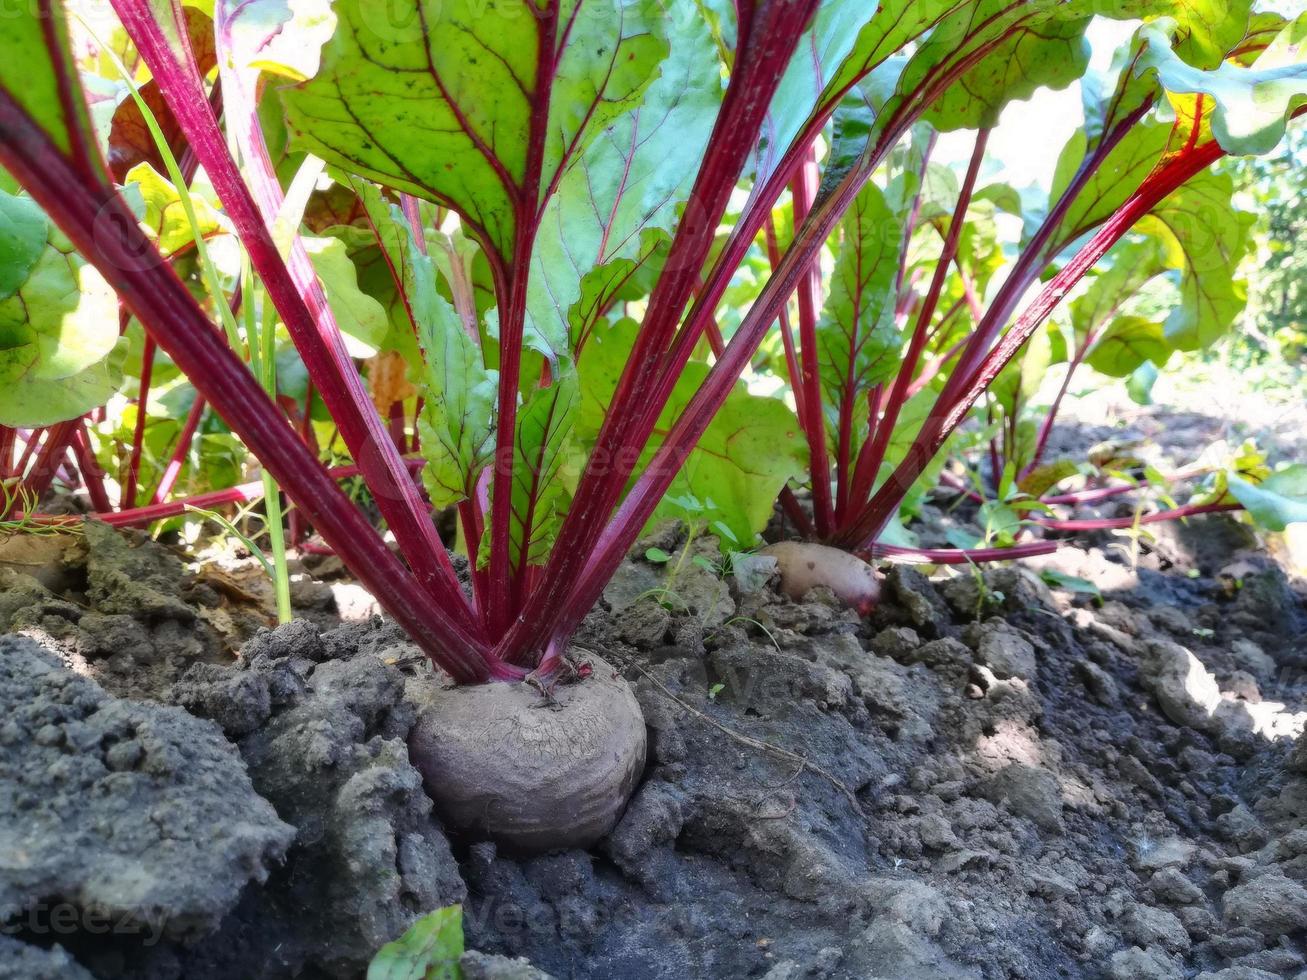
179, 452
79, 202
1112, 523
293, 289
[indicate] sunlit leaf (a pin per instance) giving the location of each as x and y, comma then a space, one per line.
1276, 501
1134, 263
1204, 237
41, 79
164, 214
844, 42
281, 37
1250, 106
857, 337
1112, 183
440, 99
749, 451
60, 353
361, 318
1127, 343
1041, 50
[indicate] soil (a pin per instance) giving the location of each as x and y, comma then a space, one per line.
1193, 410
988, 777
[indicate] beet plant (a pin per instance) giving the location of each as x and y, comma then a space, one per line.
527, 215
930, 319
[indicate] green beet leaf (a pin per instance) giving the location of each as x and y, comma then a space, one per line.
1111, 97
844, 42
1020, 381
163, 214
605, 284
1123, 170
1126, 344
457, 422
601, 227
1250, 105
1040, 50
361, 318
1204, 236
440, 98
858, 341
1134, 263
23, 230
1206, 30
1279, 500
48, 90
913, 414
1045, 477
545, 471
60, 353
429, 950
749, 451
1140, 385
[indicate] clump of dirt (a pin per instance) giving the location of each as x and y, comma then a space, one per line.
320, 725
332, 757
988, 777
21, 961
137, 813
131, 613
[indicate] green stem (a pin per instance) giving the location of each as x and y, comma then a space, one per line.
263, 361
261, 346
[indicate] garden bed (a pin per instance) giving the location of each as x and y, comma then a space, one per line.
988, 777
